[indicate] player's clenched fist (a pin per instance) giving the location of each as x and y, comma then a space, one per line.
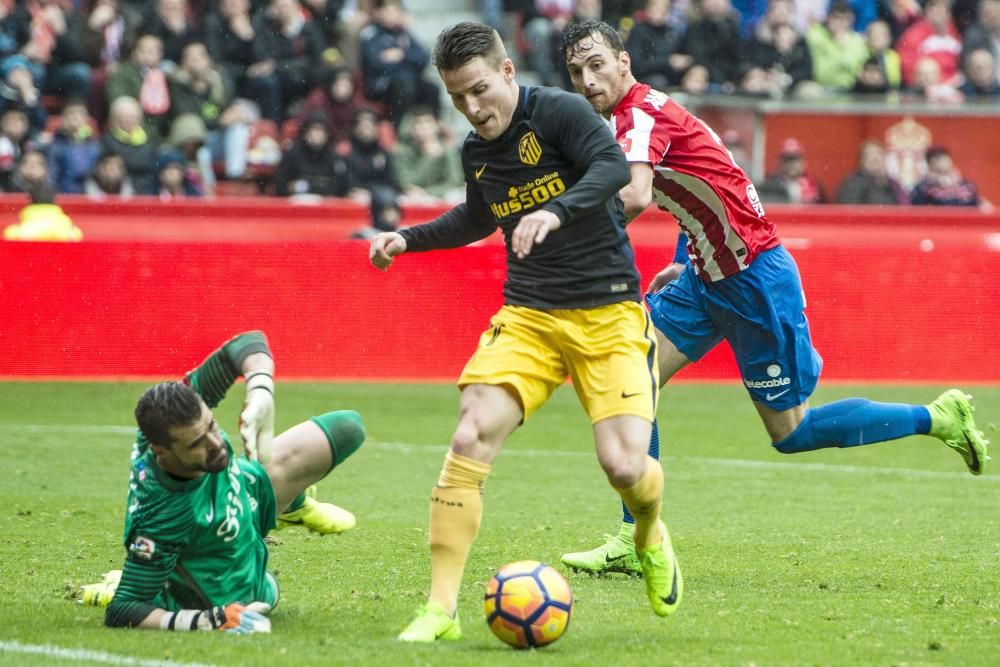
385, 246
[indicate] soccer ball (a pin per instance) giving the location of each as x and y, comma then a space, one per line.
528, 604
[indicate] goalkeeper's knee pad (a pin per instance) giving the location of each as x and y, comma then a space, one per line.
344, 431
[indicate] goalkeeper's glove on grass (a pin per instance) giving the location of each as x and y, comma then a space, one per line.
232, 618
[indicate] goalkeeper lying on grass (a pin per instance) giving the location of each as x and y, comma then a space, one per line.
197, 515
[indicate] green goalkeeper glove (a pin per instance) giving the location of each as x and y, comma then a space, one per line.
257, 417
232, 618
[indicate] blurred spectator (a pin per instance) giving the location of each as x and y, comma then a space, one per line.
311, 166
288, 49
980, 71
198, 87
871, 80
838, 52
107, 33
653, 44
173, 178
74, 149
713, 41
188, 137
427, 167
32, 170
879, 41
871, 183
778, 49
755, 82
334, 99
373, 178
695, 80
737, 149
985, 32
326, 15
927, 83
13, 143
543, 20
143, 79
392, 62
900, 15
933, 36
865, 11
809, 13
171, 22
109, 178
943, 185
126, 137
750, 13
42, 219
792, 177
55, 52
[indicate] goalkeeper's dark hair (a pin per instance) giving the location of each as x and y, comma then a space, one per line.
599, 30
462, 42
165, 406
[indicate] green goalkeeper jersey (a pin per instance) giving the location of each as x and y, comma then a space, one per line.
194, 544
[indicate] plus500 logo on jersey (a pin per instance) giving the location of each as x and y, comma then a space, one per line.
530, 195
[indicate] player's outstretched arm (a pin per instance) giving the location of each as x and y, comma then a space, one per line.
232, 618
385, 246
257, 416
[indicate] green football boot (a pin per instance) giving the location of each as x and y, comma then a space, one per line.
952, 423
322, 518
617, 554
431, 624
664, 585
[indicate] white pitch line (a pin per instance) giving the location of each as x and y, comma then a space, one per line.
86, 655
408, 447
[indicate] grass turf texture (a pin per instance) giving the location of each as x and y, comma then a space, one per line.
877, 555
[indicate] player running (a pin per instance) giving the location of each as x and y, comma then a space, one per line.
540, 165
740, 283
197, 515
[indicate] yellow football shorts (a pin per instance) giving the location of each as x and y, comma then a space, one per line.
608, 351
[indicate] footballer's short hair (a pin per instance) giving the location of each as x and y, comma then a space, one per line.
164, 406
462, 42
599, 30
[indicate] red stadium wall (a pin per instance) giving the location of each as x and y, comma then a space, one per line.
911, 296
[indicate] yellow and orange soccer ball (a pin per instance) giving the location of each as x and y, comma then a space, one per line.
528, 604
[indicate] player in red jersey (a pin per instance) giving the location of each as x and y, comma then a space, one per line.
740, 283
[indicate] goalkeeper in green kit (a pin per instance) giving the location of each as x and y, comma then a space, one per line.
197, 514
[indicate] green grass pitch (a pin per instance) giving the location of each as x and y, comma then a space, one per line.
882, 555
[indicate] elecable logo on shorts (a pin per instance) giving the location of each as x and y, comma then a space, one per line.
774, 373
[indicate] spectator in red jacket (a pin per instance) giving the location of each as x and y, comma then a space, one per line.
933, 36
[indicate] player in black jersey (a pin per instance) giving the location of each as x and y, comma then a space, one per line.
542, 166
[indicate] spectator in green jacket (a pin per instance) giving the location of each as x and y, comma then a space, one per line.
427, 166
838, 52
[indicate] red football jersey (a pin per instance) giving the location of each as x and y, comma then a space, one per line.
695, 179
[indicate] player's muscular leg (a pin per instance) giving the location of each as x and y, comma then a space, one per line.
622, 443
487, 415
781, 423
301, 456
671, 359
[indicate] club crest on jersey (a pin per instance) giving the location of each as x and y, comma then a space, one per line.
529, 150
142, 548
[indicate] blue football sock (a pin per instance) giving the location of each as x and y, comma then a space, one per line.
855, 421
654, 451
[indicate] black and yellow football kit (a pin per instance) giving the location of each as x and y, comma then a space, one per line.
572, 306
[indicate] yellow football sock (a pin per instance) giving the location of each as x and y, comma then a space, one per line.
644, 499
456, 511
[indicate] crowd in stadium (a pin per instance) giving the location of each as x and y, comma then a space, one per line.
333, 98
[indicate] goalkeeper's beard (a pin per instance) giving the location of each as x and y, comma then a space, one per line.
217, 462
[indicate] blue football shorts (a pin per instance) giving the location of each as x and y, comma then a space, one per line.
760, 311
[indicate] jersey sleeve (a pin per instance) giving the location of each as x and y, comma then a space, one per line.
582, 136
217, 373
153, 546
641, 138
466, 223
